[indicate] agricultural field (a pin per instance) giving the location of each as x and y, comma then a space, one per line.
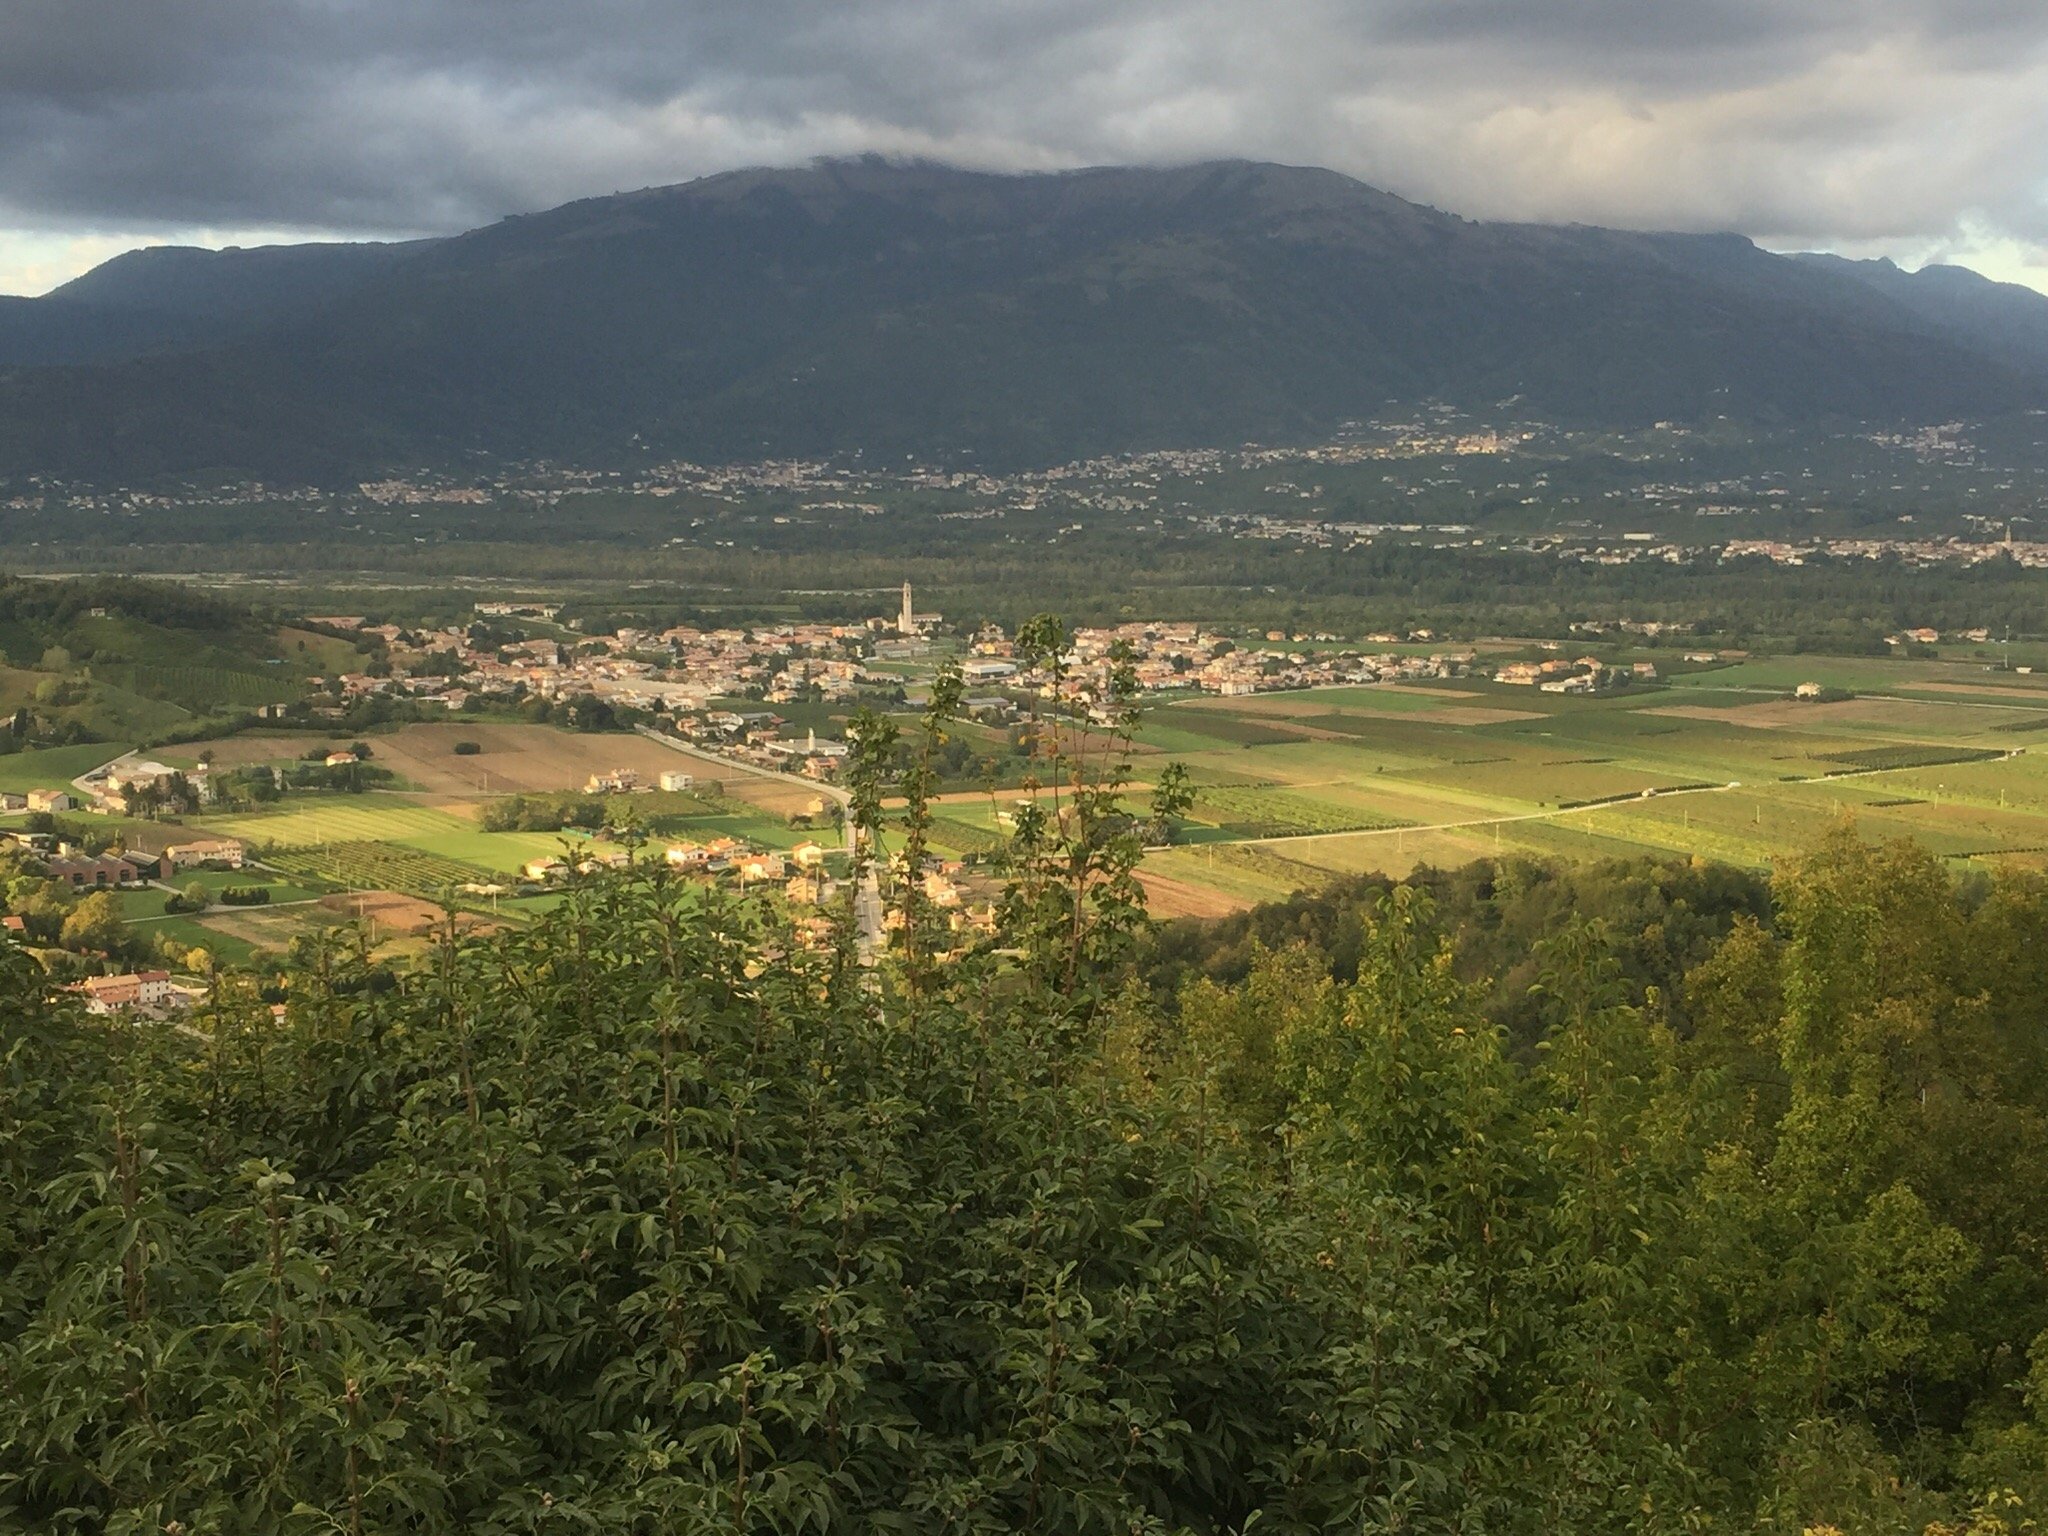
1293, 788
53, 767
366, 866
425, 841
95, 702
191, 933
516, 759
304, 821
200, 690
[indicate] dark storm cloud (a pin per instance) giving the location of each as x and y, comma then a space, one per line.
1805, 119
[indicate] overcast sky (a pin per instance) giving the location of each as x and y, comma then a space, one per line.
1914, 128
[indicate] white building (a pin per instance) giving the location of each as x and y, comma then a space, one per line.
116, 994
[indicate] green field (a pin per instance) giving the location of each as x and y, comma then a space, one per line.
53, 767
339, 819
148, 902
1722, 763
144, 902
384, 842
218, 880
190, 933
1173, 726
372, 866
203, 690
1251, 813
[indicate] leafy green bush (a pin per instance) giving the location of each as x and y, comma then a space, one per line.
638, 1216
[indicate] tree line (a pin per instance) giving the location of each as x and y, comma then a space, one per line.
650, 1217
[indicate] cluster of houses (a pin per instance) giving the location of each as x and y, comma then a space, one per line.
38, 800
1586, 674
679, 668
84, 872
129, 786
1177, 656
148, 994
755, 736
801, 870
1931, 551
144, 992
132, 992
1927, 635
627, 781
132, 785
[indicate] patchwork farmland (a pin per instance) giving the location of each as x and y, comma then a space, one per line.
1293, 788
423, 840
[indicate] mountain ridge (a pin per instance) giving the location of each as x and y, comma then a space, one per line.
897, 308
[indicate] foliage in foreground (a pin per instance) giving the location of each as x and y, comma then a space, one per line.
638, 1221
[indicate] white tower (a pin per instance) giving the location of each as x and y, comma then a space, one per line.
907, 624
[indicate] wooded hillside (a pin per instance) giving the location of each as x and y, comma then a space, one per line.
637, 1221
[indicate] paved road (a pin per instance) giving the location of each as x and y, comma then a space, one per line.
86, 790
867, 896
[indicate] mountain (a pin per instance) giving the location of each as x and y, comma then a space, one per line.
2005, 321
917, 309
52, 330
171, 298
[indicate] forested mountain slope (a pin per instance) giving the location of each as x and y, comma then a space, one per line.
893, 309
181, 298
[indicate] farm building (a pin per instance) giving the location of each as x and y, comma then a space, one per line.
209, 850
116, 994
102, 873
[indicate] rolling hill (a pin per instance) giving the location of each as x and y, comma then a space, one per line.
896, 309
106, 657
